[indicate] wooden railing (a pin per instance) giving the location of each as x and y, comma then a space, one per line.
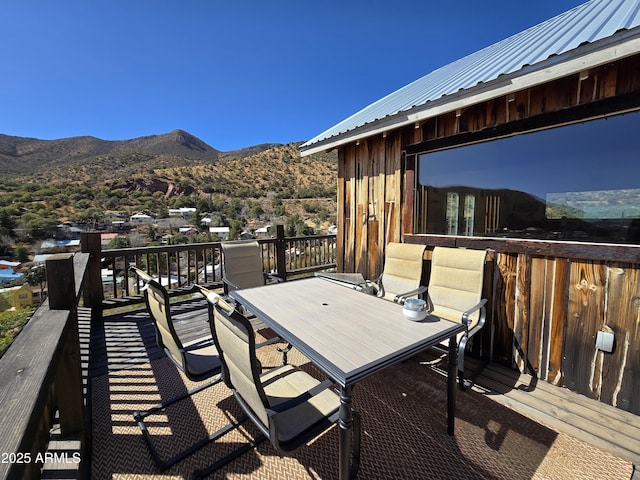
40, 374
180, 266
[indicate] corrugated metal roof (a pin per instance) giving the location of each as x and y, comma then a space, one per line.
585, 24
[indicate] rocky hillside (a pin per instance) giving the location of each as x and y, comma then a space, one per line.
21, 155
174, 163
77, 178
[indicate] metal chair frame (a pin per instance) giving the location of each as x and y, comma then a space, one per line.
218, 306
182, 364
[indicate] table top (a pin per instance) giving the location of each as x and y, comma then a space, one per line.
348, 334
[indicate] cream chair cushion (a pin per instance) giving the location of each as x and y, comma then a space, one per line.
455, 284
402, 269
243, 263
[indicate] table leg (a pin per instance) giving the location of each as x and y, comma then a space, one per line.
345, 424
452, 391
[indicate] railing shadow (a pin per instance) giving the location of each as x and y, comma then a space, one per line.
489, 438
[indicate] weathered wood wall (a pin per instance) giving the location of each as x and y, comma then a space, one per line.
547, 311
548, 299
369, 199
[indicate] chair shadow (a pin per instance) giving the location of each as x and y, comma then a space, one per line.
490, 441
118, 444
403, 412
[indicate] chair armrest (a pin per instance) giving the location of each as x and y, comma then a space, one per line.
146, 278
141, 273
402, 297
213, 298
367, 287
300, 399
229, 283
479, 306
375, 285
196, 288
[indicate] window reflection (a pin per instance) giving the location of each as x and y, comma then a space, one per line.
579, 182
452, 213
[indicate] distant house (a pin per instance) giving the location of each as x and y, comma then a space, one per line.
67, 230
263, 232
9, 276
7, 265
189, 230
165, 239
221, 232
60, 246
22, 296
9, 271
140, 218
105, 238
41, 258
19, 297
184, 212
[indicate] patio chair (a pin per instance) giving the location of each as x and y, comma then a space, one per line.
242, 266
455, 293
402, 273
287, 405
198, 359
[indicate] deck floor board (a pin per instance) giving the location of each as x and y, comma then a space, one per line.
127, 339
604, 426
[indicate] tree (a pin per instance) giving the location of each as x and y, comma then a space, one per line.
39, 227
7, 223
295, 227
37, 276
152, 234
256, 211
89, 215
235, 229
21, 253
119, 242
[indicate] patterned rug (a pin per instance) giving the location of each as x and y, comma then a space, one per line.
403, 412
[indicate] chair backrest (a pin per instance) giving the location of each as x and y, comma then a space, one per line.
242, 263
455, 284
402, 270
157, 300
235, 342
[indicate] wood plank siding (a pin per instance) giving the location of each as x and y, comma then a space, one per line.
548, 299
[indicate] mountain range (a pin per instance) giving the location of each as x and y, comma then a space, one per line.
23, 155
172, 165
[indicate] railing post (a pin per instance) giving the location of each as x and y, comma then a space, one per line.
61, 282
68, 382
281, 265
93, 295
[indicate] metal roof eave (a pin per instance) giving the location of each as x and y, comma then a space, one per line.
622, 44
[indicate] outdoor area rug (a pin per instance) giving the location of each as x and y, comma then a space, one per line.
404, 433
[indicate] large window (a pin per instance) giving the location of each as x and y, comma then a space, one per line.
578, 182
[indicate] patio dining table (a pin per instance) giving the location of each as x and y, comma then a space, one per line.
349, 336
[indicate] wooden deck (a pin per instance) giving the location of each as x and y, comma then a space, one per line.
606, 427
127, 339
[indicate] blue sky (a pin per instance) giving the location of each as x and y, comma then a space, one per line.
236, 73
